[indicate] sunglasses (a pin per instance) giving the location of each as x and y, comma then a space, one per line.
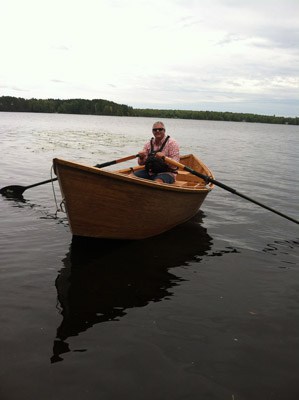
158, 129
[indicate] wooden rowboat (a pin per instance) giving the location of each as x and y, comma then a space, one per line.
117, 205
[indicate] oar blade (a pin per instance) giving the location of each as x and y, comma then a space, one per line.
12, 191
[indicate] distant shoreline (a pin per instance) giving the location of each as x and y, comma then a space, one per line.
106, 107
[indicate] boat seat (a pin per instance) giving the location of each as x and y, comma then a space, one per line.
180, 183
191, 185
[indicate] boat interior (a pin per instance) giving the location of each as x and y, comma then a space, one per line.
183, 179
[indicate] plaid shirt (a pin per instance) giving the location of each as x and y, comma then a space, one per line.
170, 150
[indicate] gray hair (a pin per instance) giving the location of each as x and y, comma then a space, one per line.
160, 123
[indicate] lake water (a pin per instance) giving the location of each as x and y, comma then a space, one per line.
209, 310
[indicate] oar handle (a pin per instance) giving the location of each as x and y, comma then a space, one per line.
173, 162
206, 178
108, 163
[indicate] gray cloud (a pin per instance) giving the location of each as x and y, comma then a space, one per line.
12, 87
61, 47
57, 81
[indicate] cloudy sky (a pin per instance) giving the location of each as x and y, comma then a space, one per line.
219, 55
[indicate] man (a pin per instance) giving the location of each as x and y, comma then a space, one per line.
159, 146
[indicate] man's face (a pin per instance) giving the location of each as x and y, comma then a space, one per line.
158, 131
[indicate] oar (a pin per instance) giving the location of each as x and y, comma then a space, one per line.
225, 187
120, 160
17, 190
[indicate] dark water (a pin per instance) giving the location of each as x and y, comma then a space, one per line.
208, 310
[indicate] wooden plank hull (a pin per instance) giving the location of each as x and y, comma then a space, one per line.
114, 205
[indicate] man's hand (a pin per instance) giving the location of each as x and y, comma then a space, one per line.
160, 154
142, 155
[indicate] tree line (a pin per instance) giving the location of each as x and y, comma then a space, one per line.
106, 107
72, 106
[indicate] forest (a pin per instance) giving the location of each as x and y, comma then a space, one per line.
106, 107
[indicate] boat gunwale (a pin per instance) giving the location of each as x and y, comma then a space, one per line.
132, 179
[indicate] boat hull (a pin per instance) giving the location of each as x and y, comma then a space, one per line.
113, 205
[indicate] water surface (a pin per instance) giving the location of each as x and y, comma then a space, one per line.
208, 310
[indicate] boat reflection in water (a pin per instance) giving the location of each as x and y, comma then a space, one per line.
102, 279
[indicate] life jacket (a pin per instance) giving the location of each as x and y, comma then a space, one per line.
154, 164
